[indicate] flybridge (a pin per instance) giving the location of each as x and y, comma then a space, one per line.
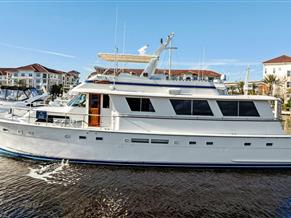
152, 60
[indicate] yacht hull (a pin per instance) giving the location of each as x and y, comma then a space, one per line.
143, 149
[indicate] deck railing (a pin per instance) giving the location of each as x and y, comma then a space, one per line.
62, 119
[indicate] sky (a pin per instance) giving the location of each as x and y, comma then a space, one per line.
224, 36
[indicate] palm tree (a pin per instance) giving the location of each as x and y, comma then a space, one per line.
271, 80
231, 90
241, 87
254, 87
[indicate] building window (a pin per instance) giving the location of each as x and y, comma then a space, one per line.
265, 71
288, 84
289, 73
30, 74
238, 108
38, 75
140, 104
191, 107
44, 75
16, 74
106, 101
22, 74
274, 70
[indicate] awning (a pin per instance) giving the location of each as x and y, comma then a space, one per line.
126, 57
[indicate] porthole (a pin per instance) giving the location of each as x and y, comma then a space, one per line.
269, 144
99, 138
192, 143
209, 143
247, 144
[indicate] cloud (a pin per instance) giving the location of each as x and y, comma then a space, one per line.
38, 50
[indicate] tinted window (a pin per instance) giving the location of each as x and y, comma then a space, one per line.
140, 104
106, 101
146, 105
248, 109
228, 108
189, 107
201, 107
134, 103
181, 107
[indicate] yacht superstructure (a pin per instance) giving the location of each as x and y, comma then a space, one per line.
151, 120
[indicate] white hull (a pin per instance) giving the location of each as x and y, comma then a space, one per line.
116, 148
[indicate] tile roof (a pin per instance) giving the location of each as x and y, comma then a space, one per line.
280, 59
174, 72
32, 67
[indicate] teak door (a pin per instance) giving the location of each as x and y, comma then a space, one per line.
94, 110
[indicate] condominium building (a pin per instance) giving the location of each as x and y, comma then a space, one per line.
281, 68
38, 76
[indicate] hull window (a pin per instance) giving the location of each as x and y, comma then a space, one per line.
136, 140
82, 137
160, 141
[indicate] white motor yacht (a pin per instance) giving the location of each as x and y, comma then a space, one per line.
151, 120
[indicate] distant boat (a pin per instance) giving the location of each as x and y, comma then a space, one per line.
152, 120
14, 96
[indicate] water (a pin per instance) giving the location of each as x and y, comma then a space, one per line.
38, 189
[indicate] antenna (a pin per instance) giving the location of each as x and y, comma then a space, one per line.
123, 44
115, 45
246, 85
170, 57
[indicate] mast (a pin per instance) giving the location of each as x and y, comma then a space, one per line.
152, 65
246, 85
170, 57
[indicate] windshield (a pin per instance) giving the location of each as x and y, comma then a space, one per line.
78, 101
2, 93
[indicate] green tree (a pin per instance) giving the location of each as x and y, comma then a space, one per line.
271, 80
56, 90
253, 91
240, 87
21, 83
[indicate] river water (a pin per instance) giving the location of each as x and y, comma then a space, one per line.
39, 189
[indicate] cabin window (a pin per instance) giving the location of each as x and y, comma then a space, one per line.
228, 108
78, 101
201, 107
238, 108
140, 104
181, 107
191, 107
248, 109
106, 101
